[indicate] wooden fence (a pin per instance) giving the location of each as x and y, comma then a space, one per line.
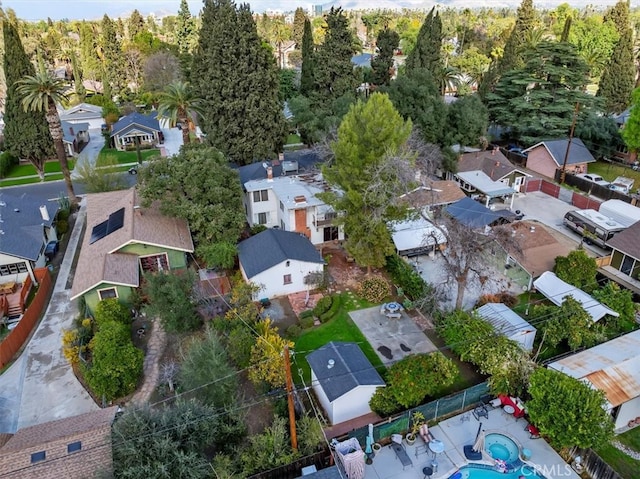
320, 459
593, 464
16, 338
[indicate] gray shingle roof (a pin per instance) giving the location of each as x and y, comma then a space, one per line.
350, 369
578, 153
22, 225
627, 241
272, 247
148, 122
306, 159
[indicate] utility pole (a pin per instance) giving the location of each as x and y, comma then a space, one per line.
292, 412
563, 173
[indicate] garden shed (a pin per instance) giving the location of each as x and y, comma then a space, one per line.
343, 379
507, 322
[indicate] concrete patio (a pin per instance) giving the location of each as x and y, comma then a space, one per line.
459, 431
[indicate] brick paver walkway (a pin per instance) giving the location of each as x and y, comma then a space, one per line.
151, 368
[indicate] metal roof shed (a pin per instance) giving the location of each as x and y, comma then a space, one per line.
510, 324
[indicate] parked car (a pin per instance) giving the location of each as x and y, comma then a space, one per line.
50, 250
597, 179
622, 184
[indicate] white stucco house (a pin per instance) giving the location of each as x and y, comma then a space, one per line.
83, 113
613, 368
280, 262
343, 379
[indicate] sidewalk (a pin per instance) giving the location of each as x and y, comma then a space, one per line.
40, 385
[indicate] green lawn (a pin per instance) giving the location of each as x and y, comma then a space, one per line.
339, 328
293, 139
123, 157
29, 170
623, 464
610, 171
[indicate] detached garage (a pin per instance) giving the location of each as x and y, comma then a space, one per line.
344, 380
510, 324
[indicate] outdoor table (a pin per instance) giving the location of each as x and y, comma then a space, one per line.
393, 307
436, 446
509, 409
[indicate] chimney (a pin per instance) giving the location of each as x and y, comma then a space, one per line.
269, 173
44, 213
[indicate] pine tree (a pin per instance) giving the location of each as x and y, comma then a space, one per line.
185, 28
381, 65
618, 78
26, 134
306, 73
135, 24
237, 79
427, 52
333, 72
566, 29
299, 20
525, 22
619, 15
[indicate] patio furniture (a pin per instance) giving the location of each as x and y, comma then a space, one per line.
428, 472
533, 431
526, 454
425, 434
436, 446
401, 453
471, 454
481, 411
509, 409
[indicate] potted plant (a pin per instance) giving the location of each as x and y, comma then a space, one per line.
417, 420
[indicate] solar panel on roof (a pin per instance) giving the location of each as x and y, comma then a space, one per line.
115, 222
98, 232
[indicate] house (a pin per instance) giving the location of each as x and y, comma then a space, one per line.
78, 446
136, 128
548, 156
471, 213
343, 379
495, 165
479, 185
122, 241
284, 194
280, 262
556, 290
83, 113
533, 249
76, 135
434, 194
613, 368
415, 237
26, 226
623, 266
508, 323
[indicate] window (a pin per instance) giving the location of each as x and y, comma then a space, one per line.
262, 218
14, 268
281, 206
262, 195
38, 456
153, 263
287, 279
74, 446
107, 293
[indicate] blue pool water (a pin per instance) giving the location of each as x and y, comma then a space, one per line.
478, 471
501, 447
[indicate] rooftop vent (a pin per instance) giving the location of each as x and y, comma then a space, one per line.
330, 363
300, 199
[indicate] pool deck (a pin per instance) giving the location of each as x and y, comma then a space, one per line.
456, 433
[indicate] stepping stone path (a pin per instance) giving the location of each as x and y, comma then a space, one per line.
151, 367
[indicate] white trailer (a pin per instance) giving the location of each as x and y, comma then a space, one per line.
623, 213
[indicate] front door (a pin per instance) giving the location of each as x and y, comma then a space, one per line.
517, 183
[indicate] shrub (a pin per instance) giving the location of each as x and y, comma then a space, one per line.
306, 314
62, 226
255, 229
508, 299
307, 321
63, 215
374, 289
112, 310
335, 306
383, 402
7, 160
294, 331
405, 277
323, 305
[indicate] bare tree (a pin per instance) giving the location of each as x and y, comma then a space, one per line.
133, 67
160, 70
168, 374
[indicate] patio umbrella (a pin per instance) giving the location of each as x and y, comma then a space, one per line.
478, 446
370, 436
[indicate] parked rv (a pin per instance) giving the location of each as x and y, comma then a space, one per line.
624, 213
594, 227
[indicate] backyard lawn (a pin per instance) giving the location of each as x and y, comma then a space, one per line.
610, 171
623, 464
339, 328
124, 157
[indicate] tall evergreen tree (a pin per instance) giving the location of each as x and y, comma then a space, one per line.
525, 22
90, 63
427, 52
135, 24
26, 134
237, 79
619, 16
308, 52
185, 28
381, 65
619, 76
566, 30
299, 20
112, 71
334, 76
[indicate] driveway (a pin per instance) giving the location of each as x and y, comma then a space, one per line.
172, 138
40, 385
91, 151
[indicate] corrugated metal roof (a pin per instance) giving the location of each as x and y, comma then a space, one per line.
612, 367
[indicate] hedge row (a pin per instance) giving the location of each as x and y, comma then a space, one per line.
405, 277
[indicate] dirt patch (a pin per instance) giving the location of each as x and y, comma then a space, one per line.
299, 302
344, 273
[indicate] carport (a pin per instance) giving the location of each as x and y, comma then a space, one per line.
483, 184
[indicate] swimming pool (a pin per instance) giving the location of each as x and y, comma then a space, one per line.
501, 447
481, 471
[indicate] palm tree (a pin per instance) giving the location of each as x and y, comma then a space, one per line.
41, 92
179, 104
